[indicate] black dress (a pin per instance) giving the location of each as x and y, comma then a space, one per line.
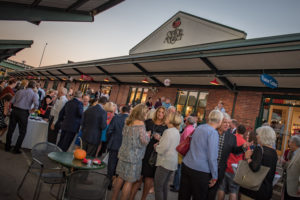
268, 159
148, 170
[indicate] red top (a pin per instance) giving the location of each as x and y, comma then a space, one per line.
6, 91
110, 115
235, 158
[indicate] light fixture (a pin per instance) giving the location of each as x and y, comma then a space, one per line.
214, 82
106, 80
145, 80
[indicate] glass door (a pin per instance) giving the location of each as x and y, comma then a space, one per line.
279, 121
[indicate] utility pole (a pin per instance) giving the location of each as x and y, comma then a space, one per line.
43, 54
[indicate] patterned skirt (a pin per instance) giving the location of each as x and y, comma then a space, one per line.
130, 172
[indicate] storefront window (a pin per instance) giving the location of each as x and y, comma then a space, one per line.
202, 100
46, 84
137, 95
181, 96
55, 84
67, 85
105, 89
192, 99
144, 96
192, 102
265, 114
83, 87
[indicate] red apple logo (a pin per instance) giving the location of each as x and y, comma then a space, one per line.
176, 23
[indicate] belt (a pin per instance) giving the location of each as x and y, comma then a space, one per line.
20, 109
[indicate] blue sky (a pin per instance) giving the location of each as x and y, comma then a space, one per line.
115, 31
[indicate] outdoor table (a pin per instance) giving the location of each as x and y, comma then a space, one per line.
67, 159
37, 131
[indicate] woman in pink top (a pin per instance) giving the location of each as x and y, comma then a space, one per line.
190, 121
188, 130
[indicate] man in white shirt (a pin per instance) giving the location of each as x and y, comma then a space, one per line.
59, 104
41, 92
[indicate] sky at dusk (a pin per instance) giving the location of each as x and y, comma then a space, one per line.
115, 31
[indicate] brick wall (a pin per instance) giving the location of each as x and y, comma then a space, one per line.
214, 96
164, 92
119, 94
247, 107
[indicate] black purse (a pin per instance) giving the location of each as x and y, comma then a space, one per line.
153, 155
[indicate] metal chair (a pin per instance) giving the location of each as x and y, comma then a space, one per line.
86, 185
47, 170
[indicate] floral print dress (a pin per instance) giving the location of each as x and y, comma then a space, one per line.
131, 153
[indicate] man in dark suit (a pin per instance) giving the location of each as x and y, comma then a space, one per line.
227, 145
233, 125
69, 120
114, 138
94, 121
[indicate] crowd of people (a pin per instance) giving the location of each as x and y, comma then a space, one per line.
141, 142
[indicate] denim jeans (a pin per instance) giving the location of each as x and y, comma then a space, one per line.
176, 180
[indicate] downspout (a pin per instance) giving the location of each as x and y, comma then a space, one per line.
234, 102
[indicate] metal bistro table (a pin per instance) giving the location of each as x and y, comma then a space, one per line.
66, 159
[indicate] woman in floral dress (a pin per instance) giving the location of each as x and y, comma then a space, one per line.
131, 153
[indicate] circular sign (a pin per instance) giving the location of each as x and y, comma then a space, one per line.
167, 82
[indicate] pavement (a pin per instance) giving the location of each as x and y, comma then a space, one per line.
13, 168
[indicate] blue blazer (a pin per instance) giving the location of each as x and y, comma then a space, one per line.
94, 121
70, 115
114, 132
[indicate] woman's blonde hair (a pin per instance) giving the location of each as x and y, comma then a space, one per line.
138, 113
175, 119
156, 111
109, 107
151, 113
24, 83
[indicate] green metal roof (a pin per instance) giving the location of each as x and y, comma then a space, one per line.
13, 65
54, 10
288, 72
9, 48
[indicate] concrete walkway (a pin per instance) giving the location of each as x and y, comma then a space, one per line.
12, 169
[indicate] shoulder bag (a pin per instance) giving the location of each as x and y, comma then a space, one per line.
184, 146
248, 179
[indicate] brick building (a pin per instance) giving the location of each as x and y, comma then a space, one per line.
204, 62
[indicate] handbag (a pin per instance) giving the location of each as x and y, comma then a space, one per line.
152, 158
184, 146
248, 179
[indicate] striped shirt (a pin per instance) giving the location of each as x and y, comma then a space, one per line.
221, 144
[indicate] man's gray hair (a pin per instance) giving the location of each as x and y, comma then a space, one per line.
64, 91
78, 94
296, 140
226, 116
172, 108
215, 116
191, 120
